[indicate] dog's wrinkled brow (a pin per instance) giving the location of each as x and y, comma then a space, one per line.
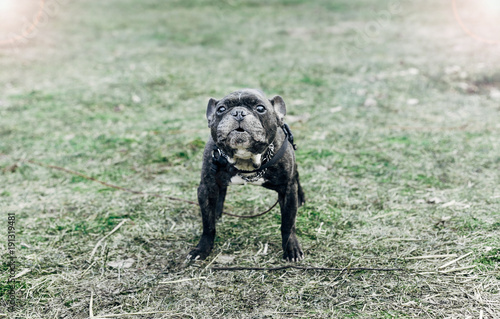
242, 100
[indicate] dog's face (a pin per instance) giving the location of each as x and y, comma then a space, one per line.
245, 122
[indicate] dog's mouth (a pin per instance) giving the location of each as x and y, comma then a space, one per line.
239, 138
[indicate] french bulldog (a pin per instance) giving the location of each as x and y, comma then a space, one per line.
249, 143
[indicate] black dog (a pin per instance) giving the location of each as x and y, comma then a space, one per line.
249, 143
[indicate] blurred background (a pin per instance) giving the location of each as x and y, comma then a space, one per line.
394, 105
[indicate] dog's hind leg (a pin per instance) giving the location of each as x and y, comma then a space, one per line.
302, 196
220, 202
300, 192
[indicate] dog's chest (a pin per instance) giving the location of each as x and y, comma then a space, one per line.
241, 180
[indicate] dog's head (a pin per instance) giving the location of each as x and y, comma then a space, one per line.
244, 123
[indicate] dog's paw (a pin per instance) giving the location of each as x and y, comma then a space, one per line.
197, 254
202, 250
292, 251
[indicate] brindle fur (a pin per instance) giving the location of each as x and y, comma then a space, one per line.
260, 131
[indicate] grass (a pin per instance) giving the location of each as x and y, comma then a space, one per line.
394, 112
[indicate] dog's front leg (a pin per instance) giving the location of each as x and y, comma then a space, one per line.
289, 204
207, 198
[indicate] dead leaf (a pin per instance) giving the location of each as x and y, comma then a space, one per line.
448, 204
455, 204
445, 218
127, 263
370, 102
336, 109
413, 71
495, 94
11, 169
225, 259
22, 273
412, 101
136, 98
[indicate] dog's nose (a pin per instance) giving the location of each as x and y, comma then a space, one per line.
239, 114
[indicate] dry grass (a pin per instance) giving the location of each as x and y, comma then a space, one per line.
397, 128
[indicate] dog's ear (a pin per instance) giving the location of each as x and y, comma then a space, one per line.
279, 108
211, 110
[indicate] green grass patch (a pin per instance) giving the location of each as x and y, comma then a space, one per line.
491, 258
394, 110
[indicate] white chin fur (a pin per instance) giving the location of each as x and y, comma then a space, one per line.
237, 180
241, 154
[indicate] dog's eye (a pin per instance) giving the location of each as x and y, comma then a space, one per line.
221, 109
260, 109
